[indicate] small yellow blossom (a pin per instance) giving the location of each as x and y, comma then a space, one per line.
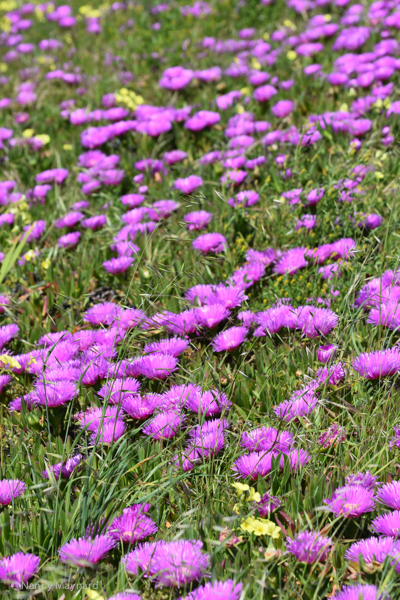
291, 55
67, 147
28, 133
254, 496
289, 24
241, 487
43, 137
46, 264
9, 361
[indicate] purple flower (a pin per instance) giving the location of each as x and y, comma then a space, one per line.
265, 93
69, 220
18, 568
211, 315
306, 221
201, 120
125, 596
332, 436
229, 339
140, 407
118, 265
158, 366
86, 552
176, 564
210, 242
116, 390
244, 198
388, 524
365, 480
101, 314
326, 353
174, 347
94, 223
36, 230
65, 470
165, 425
219, 590
395, 441
7, 332
373, 365
389, 494
291, 261
351, 501
207, 440
254, 464
176, 78
69, 240
209, 403
55, 394
174, 156
300, 403
197, 220
189, 184
266, 439
171, 564
360, 591
282, 109
267, 505
133, 525
109, 432
332, 375
309, 547
375, 550
315, 195
371, 221
10, 489
52, 176
176, 397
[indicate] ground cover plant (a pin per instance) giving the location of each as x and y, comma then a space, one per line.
200, 300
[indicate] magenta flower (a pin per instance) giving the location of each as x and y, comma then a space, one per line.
86, 552
351, 501
326, 353
207, 440
375, 550
165, 425
210, 242
189, 184
315, 195
176, 397
197, 220
55, 394
254, 464
388, 524
140, 407
300, 403
373, 365
109, 432
158, 366
229, 339
133, 525
201, 120
94, 223
245, 198
174, 156
309, 547
63, 469
332, 375
18, 568
211, 315
141, 558
266, 439
116, 390
389, 494
219, 590
69, 220
125, 596
69, 240
360, 590
118, 265
176, 564
267, 505
265, 93
332, 436
10, 489
101, 314
52, 176
306, 221
366, 480
209, 403
282, 109
291, 261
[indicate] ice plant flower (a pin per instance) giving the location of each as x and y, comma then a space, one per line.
230, 339
373, 365
219, 590
17, 569
210, 242
133, 525
388, 524
351, 501
360, 591
309, 547
389, 494
375, 550
63, 469
10, 489
85, 551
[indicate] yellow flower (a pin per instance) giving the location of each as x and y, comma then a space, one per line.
247, 525
28, 133
239, 109
291, 55
271, 529
46, 264
289, 24
67, 147
246, 91
43, 137
254, 496
241, 487
3, 68
9, 361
